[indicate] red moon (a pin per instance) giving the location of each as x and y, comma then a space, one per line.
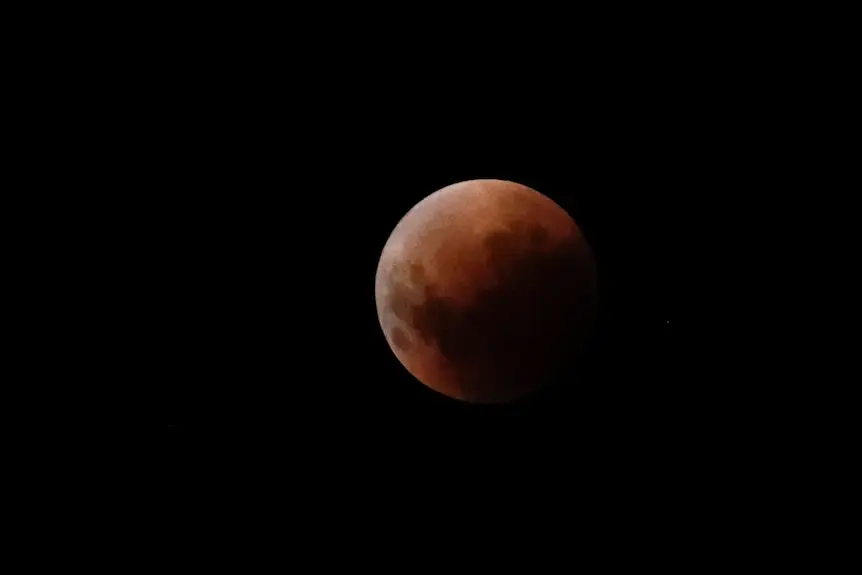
485, 289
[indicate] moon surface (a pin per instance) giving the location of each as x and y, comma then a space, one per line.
485, 289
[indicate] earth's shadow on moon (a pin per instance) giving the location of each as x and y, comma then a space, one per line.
533, 311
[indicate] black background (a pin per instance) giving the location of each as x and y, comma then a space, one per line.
255, 182
258, 257
225, 183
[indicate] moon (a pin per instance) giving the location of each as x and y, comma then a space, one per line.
485, 289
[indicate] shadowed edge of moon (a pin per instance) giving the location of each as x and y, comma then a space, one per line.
533, 299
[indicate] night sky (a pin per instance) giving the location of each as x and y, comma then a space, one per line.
258, 319
252, 230
242, 183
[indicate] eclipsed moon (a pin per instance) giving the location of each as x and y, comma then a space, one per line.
485, 289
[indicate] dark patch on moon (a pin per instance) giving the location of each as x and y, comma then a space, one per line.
528, 313
401, 301
407, 296
417, 275
539, 236
399, 338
